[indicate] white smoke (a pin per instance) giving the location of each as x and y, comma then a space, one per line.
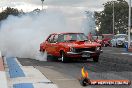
21, 36
88, 24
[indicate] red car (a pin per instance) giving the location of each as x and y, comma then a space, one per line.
66, 46
97, 39
106, 39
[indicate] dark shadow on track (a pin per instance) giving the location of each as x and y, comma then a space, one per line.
101, 66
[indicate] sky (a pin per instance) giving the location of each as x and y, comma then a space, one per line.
28, 5
73, 9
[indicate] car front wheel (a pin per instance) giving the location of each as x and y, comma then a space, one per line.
63, 58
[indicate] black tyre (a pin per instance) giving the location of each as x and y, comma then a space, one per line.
96, 59
106, 45
123, 45
117, 45
50, 57
63, 57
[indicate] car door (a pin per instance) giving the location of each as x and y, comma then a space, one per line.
55, 46
49, 44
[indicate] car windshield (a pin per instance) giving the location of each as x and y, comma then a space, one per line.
72, 37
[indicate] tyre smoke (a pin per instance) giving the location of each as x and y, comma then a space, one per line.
21, 36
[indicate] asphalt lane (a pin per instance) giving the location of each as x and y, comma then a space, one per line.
115, 63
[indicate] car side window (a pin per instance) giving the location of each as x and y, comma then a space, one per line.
55, 39
60, 38
50, 40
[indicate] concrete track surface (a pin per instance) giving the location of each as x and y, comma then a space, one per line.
115, 63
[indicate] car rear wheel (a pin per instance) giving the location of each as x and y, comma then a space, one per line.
96, 58
63, 58
49, 57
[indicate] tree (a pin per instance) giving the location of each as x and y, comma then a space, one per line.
104, 19
8, 11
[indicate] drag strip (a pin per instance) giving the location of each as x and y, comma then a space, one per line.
66, 75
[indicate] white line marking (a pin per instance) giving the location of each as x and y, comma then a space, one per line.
66, 79
6, 68
123, 53
30, 71
127, 53
27, 80
107, 50
42, 85
3, 80
18, 62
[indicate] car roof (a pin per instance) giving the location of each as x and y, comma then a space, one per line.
69, 33
120, 34
107, 34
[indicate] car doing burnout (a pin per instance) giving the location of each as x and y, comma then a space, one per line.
66, 46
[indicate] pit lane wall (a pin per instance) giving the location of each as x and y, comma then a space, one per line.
3, 78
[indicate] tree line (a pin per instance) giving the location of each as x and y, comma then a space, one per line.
9, 11
104, 19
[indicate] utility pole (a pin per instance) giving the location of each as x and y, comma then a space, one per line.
129, 24
113, 17
42, 4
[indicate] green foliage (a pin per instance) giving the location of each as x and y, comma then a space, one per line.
8, 11
104, 19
